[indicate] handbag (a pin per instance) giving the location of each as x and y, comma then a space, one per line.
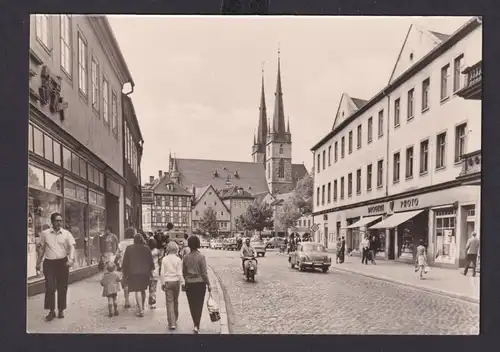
213, 309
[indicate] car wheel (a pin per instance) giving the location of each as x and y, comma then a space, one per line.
291, 264
301, 268
325, 269
263, 254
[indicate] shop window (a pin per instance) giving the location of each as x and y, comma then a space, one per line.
74, 219
97, 223
83, 169
101, 179
92, 197
35, 176
30, 138
66, 159
52, 182
48, 148
57, 153
38, 141
446, 251
75, 164
90, 169
81, 193
69, 189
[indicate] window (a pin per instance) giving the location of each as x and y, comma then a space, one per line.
425, 93
95, 84
397, 104
42, 29
66, 51
369, 177
349, 185
445, 74
323, 195
359, 136
269, 171
38, 141
446, 233
460, 141
380, 173
329, 192
83, 169
396, 167
342, 148
350, 142
370, 129
66, 159
358, 181
48, 151
336, 151
381, 123
317, 196
341, 188
424, 156
410, 108
105, 101
82, 64
457, 72
409, 162
335, 190
281, 149
114, 113
30, 138
319, 163
441, 150
281, 169
126, 144
324, 159
329, 155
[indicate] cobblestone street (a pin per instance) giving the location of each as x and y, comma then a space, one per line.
286, 301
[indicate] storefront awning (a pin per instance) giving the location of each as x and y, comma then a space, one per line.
396, 219
364, 221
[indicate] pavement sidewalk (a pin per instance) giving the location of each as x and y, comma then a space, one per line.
87, 313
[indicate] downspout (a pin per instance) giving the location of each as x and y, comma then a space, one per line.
387, 138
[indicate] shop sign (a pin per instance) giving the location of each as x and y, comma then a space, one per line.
376, 209
409, 203
147, 197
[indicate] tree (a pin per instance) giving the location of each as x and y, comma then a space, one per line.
288, 214
242, 224
208, 221
304, 193
258, 217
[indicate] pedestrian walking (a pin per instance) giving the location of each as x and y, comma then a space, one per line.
338, 250
373, 248
194, 270
122, 246
156, 272
365, 245
472, 248
57, 250
171, 281
137, 269
110, 283
421, 259
110, 244
185, 248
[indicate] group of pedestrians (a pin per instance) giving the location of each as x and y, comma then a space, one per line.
369, 246
135, 264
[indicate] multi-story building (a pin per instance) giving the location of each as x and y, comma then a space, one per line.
237, 200
75, 135
207, 197
393, 160
133, 147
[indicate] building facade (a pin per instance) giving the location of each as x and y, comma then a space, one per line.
237, 200
389, 166
132, 147
207, 197
75, 134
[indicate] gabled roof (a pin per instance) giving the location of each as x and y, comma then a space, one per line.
235, 192
200, 173
347, 107
200, 192
442, 37
177, 190
359, 102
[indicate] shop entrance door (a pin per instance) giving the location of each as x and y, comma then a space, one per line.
392, 240
325, 239
338, 231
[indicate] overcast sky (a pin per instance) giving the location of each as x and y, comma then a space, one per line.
198, 78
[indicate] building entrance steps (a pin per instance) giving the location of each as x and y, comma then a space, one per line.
450, 282
87, 313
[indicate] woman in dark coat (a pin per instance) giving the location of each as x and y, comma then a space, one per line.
194, 270
138, 266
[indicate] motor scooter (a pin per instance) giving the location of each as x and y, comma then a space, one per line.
250, 268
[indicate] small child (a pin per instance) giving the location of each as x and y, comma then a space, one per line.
110, 283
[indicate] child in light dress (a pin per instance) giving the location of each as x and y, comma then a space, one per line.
421, 260
111, 285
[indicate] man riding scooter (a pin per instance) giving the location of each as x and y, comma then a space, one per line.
247, 253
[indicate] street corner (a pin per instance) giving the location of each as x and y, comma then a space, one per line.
219, 296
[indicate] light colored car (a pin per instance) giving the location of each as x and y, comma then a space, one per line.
215, 244
259, 245
310, 255
204, 243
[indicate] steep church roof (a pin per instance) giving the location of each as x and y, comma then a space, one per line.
278, 126
262, 126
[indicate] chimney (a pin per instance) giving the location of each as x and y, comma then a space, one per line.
160, 173
151, 179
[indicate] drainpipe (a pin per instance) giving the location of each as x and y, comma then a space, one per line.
387, 150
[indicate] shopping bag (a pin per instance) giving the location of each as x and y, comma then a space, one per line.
213, 309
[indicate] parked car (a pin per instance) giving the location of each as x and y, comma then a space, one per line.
230, 244
310, 255
215, 244
204, 243
275, 242
259, 245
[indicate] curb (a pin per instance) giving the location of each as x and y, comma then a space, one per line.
224, 321
409, 284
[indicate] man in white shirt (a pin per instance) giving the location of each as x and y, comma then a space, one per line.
472, 248
57, 250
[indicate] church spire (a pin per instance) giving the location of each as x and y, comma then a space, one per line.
288, 125
279, 114
262, 129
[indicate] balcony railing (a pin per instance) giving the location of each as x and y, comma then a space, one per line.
472, 88
471, 168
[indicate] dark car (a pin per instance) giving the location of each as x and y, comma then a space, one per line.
310, 255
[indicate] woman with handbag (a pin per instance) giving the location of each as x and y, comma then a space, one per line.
171, 280
194, 270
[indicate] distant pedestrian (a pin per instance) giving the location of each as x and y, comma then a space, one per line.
472, 248
110, 283
122, 246
185, 248
365, 246
194, 270
342, 250
171, 281
137, 268
110, 243
421, 259
338, 250
57, 250
373, 248
155, 252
